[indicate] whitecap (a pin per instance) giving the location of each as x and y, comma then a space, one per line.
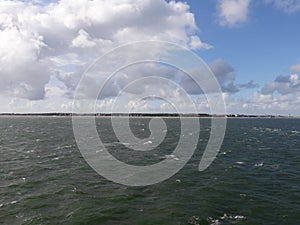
225, 217
295, 132
273, 130
240, 163
66, 146
239, 217
259, 164
171, 157
213, 221
30, 151
194, 220
63, 147
148, 142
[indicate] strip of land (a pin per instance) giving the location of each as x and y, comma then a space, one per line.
145, 115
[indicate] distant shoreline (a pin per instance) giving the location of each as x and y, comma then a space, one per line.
145, 115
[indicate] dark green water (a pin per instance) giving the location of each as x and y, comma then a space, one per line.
254, 180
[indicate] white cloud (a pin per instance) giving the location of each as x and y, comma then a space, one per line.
281, 96
83, 40
289, 6
295, 68
22, 72
223, 72
283, 85
269, 104
124, 21
39, 40
54, 91
196, 43
233, 12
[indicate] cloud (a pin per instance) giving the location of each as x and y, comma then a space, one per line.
269, 104
249, 85
127, 80
196, 43
222, 71
233, 12
295, 68
288, 6
146, 79
283, 85
120, 22
83, 40
39, 40
225, 75
281, 96
23, 74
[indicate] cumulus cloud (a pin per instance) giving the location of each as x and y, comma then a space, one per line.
283, 85
39, 40
83, 40
127, 80
131, 80
289, 6
223, 72
22, 73
281, 96
272, 105
249, 85
233, 12
196, 43
119, 22
225, 75
134, 81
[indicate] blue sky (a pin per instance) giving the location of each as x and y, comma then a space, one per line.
252, 47
264, 46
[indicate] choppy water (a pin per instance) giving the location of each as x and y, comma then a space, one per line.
254, 180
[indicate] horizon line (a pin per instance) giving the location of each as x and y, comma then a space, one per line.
149, 114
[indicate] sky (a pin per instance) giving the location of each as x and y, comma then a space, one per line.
251, 46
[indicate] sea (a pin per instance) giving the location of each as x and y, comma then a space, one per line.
255, 178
